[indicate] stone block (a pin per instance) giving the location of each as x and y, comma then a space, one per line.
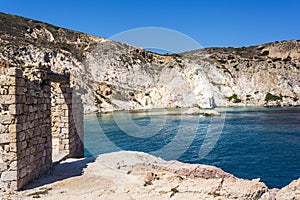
7, 99
12, 128
3, 128
12, 90
60, 101
3, 167
13, 147
6, 119
27, 152
4, 186
65, 131
64, 106
14, 185
11, 71
32, 150
12, 109
8, 80
9, 157
6, 148
9, 176
23, 144
5, 138
21, 136
3, 91
13, 166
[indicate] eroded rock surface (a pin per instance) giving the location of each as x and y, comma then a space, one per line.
135, 175
291, 191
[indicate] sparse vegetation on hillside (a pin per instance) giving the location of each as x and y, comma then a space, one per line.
234, 98
288, 58
272, 97
265, 53
14, 28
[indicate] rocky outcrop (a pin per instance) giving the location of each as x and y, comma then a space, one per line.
210, 113
192, 111
291, 191
161, 179
258, 75
116, 76
134, 175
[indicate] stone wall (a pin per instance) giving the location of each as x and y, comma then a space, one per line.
8, 136
67, 121
35, 125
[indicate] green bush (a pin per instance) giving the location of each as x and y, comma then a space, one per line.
222, 61
295, 99
98, 101
287, 59
235, 98
248, 97
265, 53
276, 59
272, 97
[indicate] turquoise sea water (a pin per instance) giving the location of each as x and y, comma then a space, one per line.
247, 142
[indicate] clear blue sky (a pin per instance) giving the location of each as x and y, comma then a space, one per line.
209, 22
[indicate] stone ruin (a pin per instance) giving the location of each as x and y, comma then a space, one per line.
41, 122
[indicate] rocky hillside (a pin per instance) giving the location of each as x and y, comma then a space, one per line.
267, 74
116, 76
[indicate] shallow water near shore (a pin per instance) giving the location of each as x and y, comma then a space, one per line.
248, 142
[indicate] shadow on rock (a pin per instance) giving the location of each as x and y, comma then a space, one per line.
66, 169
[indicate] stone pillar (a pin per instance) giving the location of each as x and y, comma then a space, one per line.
60, 125
8, 129
67, 120
33, 121
76, 127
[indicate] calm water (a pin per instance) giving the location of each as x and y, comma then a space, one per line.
248, 142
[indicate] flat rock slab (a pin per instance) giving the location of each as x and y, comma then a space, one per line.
136, 175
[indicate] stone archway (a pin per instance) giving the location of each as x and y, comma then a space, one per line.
27, 122
67, 118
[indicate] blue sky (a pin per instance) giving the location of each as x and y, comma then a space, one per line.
209, 22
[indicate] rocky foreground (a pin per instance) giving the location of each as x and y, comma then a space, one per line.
135, 175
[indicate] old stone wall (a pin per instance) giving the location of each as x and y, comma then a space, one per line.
8, 136
67, 121
35, 125
33, 98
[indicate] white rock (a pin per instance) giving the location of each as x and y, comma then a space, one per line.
209, 113
192, 111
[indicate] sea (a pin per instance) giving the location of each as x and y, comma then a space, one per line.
248, 142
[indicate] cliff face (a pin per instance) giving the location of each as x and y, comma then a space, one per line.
267, 74
115, 76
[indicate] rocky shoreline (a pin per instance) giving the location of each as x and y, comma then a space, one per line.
136, 175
